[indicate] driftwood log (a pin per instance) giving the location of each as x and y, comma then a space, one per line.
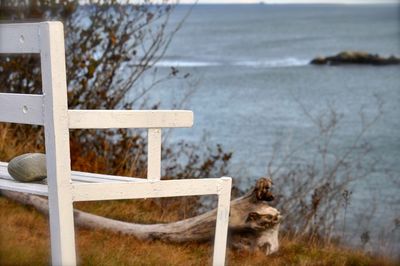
253, 224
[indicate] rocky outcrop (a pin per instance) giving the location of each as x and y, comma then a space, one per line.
355, 57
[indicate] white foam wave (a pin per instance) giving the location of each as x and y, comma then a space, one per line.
284, 62
268, 63
171, 63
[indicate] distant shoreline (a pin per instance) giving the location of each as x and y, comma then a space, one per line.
291, 4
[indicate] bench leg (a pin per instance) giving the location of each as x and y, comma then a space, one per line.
221, 230
52, 57
62, 233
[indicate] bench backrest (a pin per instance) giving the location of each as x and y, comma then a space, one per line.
50, 108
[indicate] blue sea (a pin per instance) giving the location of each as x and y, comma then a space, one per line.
253, 87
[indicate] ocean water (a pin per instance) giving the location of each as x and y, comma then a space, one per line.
249, 68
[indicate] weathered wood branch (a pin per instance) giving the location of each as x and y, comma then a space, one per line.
253, 223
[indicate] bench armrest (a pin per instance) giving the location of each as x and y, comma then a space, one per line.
129, 119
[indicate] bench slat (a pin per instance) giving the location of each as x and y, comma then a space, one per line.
145, 189
32, 188
129, 119
79, 177
19, 38
21, 108
98, 178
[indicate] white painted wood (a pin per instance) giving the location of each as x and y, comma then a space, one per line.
145, 189
37, 189
21, 108
79, 177
154, 154
98, 178
129, 118
84, 179
3, 171
19, 38
57, 143
221, 230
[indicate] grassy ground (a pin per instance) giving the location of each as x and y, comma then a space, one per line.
24, 240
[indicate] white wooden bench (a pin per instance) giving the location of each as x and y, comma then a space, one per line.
65, 186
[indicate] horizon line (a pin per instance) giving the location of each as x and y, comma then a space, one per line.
288, 2
274, 4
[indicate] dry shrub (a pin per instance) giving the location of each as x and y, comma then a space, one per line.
314, 179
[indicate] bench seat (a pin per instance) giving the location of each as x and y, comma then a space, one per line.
40, 188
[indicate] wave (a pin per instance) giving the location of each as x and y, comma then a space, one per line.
268, 63
178, 63
284, 62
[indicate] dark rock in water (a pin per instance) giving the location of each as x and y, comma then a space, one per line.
29, 167
352, 57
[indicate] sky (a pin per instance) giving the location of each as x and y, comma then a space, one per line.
291, 1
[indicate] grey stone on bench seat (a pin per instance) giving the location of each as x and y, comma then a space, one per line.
29, 167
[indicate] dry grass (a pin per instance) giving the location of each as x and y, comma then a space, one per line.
24, 240
18, 139
139, 211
